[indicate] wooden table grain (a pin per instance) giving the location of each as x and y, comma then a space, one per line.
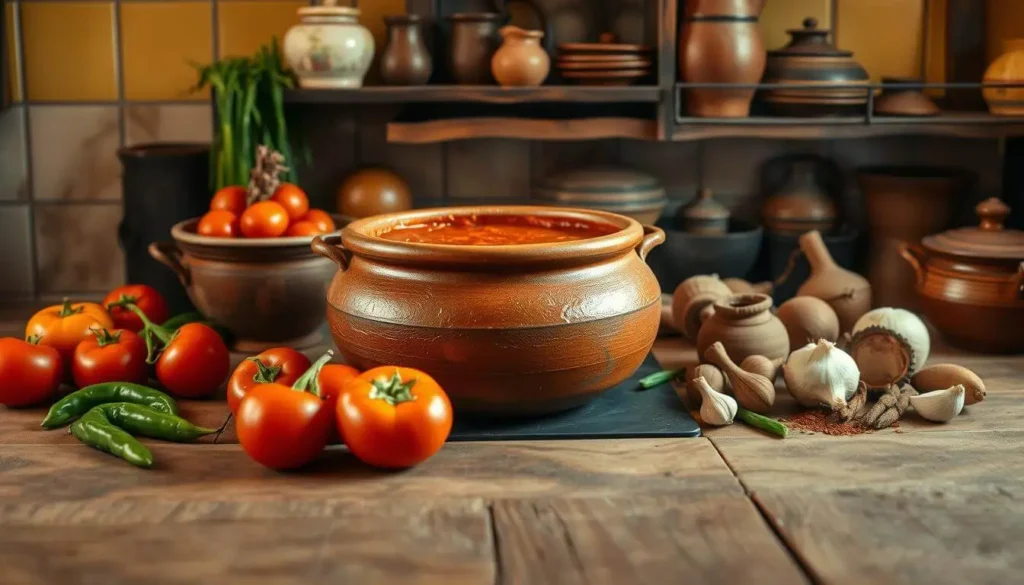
928, 503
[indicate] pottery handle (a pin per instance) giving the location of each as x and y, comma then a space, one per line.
914, 255
169, 255
653, 237
331, 247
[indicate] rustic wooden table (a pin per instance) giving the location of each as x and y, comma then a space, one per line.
929, 504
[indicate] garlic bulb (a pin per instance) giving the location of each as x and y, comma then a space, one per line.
716, 409
904, 324
821, 374
940, 405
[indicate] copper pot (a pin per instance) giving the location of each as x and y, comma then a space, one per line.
267, 292
522, 329
971, 282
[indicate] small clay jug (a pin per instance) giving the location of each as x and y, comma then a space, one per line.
745, 325
474, 40
704, 215
847, 292
520, 61
405, 60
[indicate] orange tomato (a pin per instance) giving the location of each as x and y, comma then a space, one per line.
233, 199
63, 327
219, 224
303, 228
265, 219
393, 417
293, 199
323, 220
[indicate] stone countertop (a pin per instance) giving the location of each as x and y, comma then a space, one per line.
922, 504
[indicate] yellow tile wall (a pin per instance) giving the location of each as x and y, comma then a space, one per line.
886, 36
1004, 20
935, 42
373, 17
778, 17
158, 41
244, 25
69, 51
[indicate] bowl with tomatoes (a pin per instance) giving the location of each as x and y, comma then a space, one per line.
248, 266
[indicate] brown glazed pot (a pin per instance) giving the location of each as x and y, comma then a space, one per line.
721, 43
267, 292
904, 204
405, 60
745, 325
506, 330
971, 282
474, 40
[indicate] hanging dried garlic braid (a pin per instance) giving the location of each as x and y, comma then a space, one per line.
265, 176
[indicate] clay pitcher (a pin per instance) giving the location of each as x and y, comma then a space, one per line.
847, 292
721, 43
520, 61
405, 60
474, 40
745, 325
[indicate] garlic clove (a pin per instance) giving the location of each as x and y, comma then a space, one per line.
940, 405
714, 377
716, 409
752, 391
762, 366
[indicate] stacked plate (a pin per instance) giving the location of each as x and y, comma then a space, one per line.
604, 63
616, 189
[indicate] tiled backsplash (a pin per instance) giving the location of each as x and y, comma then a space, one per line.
90, 76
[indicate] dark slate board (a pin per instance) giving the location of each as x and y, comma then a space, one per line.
620, 413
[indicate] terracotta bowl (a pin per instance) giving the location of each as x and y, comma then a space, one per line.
267, 292
729, 255
506, 330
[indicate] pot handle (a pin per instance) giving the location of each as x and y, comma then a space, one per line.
915, 256
169, 255
330, 247
653, 237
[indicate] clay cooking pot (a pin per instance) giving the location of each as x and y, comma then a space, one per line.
267, 292
508, 329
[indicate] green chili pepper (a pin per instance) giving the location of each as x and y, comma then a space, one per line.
658, 378
175, 322
764, 423
81, 401
94, 430
139, 420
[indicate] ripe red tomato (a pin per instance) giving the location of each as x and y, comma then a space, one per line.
194, 363
323, 220
145, 297
333, 379
394, 417
219, 224
283, 427
63, 327
118, 356
30, 374
280, 365
265, 219
233, 199
302, 228
293, 199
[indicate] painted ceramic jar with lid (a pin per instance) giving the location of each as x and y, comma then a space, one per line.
329, 49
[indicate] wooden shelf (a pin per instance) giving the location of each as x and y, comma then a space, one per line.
477, 94
443, 130
955, 124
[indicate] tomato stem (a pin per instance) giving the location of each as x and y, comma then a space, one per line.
34, 339
66, 310
149, 331
122, 301
393, 391
105, 338
310, 380
264, 374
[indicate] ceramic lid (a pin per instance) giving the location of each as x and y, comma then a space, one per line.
990, 240
600, 179
809, 41
329, 8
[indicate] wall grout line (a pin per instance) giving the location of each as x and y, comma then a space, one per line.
33, 248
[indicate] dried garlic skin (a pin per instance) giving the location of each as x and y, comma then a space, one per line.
940, 405
821, 374
903, 323
716, 409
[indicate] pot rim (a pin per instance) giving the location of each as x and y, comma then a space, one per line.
360, 238
184, 232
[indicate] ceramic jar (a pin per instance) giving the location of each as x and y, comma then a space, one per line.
971, 282
474, 40
329, 49
521, 61
848, 293
704, 215
904, 204
506, 330
405, 60
799, 199
1007, 68
810, 59
745, 325
721, 43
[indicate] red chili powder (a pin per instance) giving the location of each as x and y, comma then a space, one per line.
819, 421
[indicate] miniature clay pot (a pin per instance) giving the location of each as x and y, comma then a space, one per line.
574, 317
745, 325
405, 60
692, 298
520, 61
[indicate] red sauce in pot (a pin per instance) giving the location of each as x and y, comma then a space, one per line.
497, 230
